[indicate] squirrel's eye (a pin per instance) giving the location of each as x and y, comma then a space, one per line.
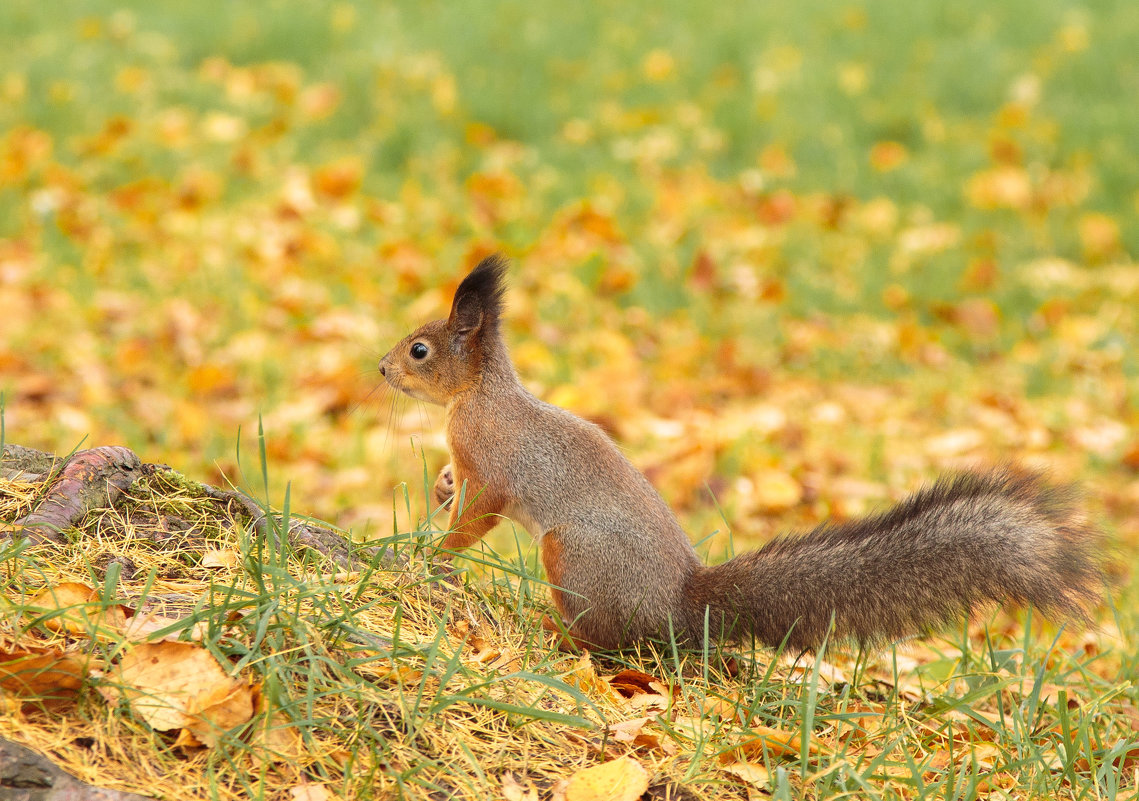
419, 351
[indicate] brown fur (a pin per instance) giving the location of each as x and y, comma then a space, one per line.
624, 570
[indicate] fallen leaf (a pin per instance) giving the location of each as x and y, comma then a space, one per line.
558, 791
723, 708
803, 668
777, 742
644, 702
887, 156
751, 772
631, 682
398, 674
584, 677
775, 491
954, 442
220, 558
1099, 236
45, 675
618, 780
73, 608
512, 790
1007, 187
219, 709
632, 733
340, 178
141, 628
627, 730
862, 721
311, 791
175, 685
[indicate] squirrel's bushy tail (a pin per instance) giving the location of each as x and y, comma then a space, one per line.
967, 541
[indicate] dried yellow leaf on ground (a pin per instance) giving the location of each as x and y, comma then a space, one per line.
632, 732
627, 730
174, 685
777, 742
220, 558
40, 675
619, 780
275, 738
311, 792
750, 772
584, 677
219, 709
513, 790
142, 627
775, 491
76, 609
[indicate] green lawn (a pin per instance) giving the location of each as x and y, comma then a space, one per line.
797, 258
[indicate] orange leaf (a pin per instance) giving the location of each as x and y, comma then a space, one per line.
777, 742
887, 156
76, 609
49, 675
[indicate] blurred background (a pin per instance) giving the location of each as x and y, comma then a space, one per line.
796, 258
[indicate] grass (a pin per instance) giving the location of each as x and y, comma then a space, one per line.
395, 682
825, 250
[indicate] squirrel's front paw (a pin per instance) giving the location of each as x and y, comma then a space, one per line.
445, 486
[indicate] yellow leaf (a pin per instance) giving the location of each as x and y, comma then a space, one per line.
220, 557
219, 709
340, 178
853, 78
777, 742
954, 442
626, 731
619, 780
775, 491
1099, 236
40, 674
173, 685
77, 609
310, 791
1007, 187
751, 772
275, 738
140, 628
584, 677
512, 790
658, 65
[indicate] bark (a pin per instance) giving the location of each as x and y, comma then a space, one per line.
18, 463
95, 478
89, 480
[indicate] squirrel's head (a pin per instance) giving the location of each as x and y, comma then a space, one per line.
445, 357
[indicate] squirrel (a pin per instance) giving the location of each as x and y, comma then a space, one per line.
621, 568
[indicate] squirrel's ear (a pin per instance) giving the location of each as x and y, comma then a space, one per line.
478, 300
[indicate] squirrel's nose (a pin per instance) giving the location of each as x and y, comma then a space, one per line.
383, 370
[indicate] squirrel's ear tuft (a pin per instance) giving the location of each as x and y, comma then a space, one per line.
478, 300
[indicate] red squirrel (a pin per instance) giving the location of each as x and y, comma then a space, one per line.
621, 568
